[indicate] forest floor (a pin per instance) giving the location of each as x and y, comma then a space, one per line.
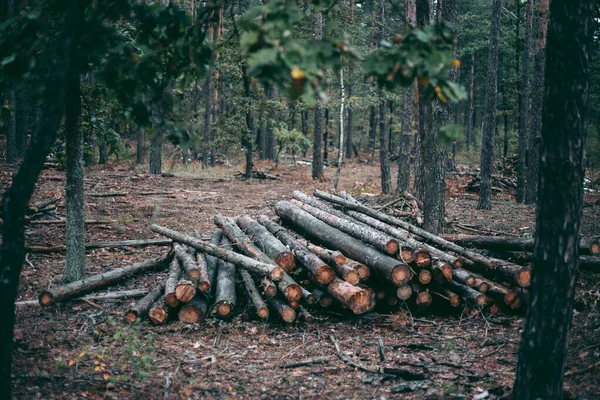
83, 350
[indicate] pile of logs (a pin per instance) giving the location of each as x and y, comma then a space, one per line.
319, 252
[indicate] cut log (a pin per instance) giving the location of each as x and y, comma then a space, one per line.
267, 242
240, 241
477, 299
203, 278
347, 273
422, 258
289, 288
363, 271
285, 312
423, 298
211, 261
388, 267
308, 297
116, 295
159, 312
324, 299
140, 309
304, 315
189, 266
425, 276
266, 269
511, 243
407, 239
185, 290
463, 276
481, 285
404, 292
194, 311
494, 290
294, 304
319, 271
408, 255
171, 283
331, 257
376, 239
98, 245
225, 295
261, 309
268, 288
61, 293
358, 300
441, 271
452, 298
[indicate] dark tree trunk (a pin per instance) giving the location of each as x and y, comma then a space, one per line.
270, 139
156, 149
349, 116
537, 94
543, 350
141, 145
326, 137
75, 227
470, 109
317, 162
22, 112
261, 136
17, 197
11, 133
384, 154
524, 107
208, 107
408, 113
489, 124
102, 152
372, 130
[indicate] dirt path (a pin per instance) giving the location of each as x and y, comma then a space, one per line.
77, 350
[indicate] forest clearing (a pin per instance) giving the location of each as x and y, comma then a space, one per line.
448, 353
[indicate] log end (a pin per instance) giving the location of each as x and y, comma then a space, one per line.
458, 263
293, 292
224, 310
406, 254
524, 277
325, 301
423, 259
494, 309
352, 277
424, 299
325, 274
401, 275
310, 299
287, 261
158, 315
184, 292
194, 274
46, 298
191, 315
510, 297
262, 313
171, 300
204, 286
363, 271
470, 281
454, 300
392, 301
288, 315
295, 305
424, 276
483, 287
404, 292
131, 316
362, 301
482, 300
276, 274
516, 303
595, 248
392, 247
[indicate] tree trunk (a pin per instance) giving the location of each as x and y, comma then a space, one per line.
389, 268
22, 113
61, 293
489, 125
11, 133
271, 270
384, 154
285, 312
261, 133
317, 161
192, 272
172, 281
140, 150
471, 108
543, 350
319, 271
537, 105
408, 111
341, 143
194, 311
349, 117
208, 111
372, 130
524, 107
270, 132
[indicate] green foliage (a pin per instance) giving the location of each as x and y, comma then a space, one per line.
450, 133
292, 141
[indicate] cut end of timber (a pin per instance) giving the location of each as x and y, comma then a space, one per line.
185, 292
286, 260
401, 275
363, 271
263, 313
295, 305
595, 248
293, 292
424, 299
404, 292
190, 315
46, 298
454, 300
325, 301
276, 274
424, 277
494, 309
483, 287
288, 315
131, 316
352, 278
482, 300
310, 299
510, 297
524, 277
406, 254
194, 275
204, 286
423, 259
171, 300
458, 263
339, 258
224, 310
325, 274
392, 247
362, 301
158, 315
516, 303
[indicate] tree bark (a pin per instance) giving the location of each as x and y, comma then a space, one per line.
74, 196
261, 268
471, 107
320, 272
285, 312
323, 298
270, 132
140, 149
358, 300
225, 294
194, 311
141, 308
524, 107
50, 296
171, 282
489, 124
537, 105
261, 309
159, 312
317, 161
391, 269
156, 154
341, 135
22, 113
11, 133
267, 242
543, 350
211, 261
